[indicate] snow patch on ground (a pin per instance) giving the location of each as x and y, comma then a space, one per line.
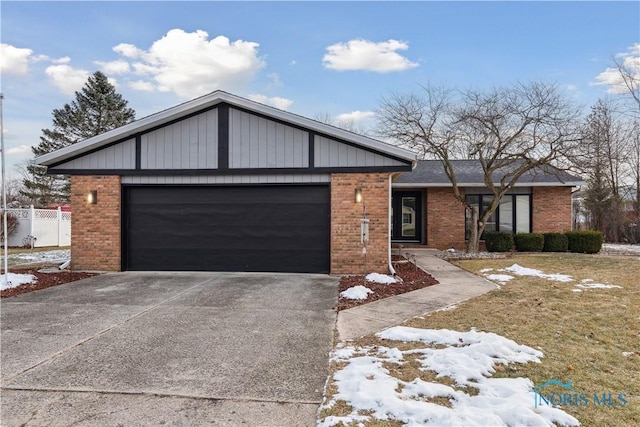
381, 278
621, 248
56, 255
366, 384
518, 270
500, 278
356, 292
590, 284
16, 280
524, 271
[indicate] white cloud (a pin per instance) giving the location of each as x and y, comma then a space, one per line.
191, 65
367, 55
119, 66
19, 150
355, 116
275, 101
274, 81
611, 77
128, 50
142, 85
63, 60
67, 78
14, 60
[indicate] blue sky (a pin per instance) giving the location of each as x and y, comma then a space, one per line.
310, 58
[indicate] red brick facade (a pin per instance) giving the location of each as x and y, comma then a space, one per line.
346, 249
445, 215
444, 219
551, 209
95, 236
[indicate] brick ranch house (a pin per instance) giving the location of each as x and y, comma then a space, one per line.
540, 202
223, 183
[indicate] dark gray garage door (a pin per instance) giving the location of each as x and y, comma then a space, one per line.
259, 228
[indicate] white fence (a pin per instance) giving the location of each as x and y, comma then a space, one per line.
45, 227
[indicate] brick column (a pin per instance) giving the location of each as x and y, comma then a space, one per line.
95, 229
445, 219
551, 209
346, 249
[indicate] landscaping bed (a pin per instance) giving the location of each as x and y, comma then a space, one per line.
413, 278
44, 280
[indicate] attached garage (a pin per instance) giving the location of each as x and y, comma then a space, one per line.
222, 183
281, 228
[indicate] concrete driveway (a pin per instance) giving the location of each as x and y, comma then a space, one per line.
188, 349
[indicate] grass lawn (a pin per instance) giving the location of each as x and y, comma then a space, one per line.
591, 338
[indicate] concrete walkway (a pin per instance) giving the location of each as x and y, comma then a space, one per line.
456, 285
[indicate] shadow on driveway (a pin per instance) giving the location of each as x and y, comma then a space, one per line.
177, 348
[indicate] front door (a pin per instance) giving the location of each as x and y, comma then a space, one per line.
406, 224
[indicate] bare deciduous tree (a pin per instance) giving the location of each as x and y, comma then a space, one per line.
349, 125
602, 158
511, 131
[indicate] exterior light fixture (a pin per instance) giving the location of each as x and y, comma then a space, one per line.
358, 195
92, 197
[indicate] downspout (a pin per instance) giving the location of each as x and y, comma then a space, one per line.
391, 269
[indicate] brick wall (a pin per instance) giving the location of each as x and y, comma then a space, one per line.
95, 236
346, 249
445, 219
551, 209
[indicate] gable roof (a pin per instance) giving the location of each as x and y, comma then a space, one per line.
209, 101
430, 173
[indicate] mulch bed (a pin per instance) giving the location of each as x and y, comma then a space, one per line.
413, 278
45, 280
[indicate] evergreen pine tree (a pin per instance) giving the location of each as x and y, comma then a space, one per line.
97, 108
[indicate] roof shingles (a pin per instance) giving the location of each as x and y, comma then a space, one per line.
469, 173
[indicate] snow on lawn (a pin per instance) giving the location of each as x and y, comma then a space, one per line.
57, 255
621, 248
16, 280
381, 278
356, 292
523, 271
589, 284
501, 278
468, 358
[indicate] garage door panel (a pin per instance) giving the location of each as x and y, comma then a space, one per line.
224, 260
266, 228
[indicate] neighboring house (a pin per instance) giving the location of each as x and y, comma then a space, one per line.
539, 202
223, 183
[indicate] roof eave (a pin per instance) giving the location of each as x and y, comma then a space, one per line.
478, 184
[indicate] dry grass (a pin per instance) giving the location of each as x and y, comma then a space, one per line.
583, 334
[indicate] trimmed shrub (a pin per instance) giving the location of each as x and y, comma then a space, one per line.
529, 242
555, 242
585, 242
498, 241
